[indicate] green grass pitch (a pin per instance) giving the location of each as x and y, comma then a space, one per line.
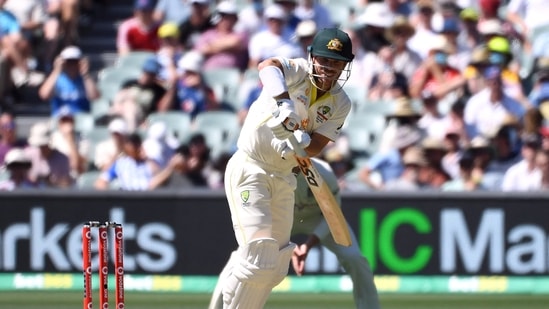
137, 300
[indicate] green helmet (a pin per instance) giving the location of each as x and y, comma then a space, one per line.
332, 43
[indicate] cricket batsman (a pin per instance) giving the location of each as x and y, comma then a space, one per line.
308, 220
302, 98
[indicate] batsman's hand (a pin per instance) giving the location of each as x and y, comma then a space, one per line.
285, 120
285, 148
299, 255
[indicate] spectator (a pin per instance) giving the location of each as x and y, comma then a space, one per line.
69, 83
465, 181
275, 40
132, 170
500, 55
506, 154
137, 98
424, 30
460, 53
50, 167
409, 180
31, 16
221, 46
107, 151
527, 15
542, 163
404, 60
470, 37
140, 32
289, 6
403, 114
544, 133
250, 17
490, 13
10, 57
304, 34
540, 90
524, 175
482, 151
370, 30
172, 11
436, 76
388, 86
315, 11
159, 145
18, 164
169, 53
199, 21
478, 62
173, 176
8, 135
371, 27
486, 111
187, 167
454, 152
190, 93
389, 164
432, 121
65, 139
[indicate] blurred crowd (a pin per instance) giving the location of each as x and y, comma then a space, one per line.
447, 95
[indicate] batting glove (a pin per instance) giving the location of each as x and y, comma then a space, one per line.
285, 120
286, 149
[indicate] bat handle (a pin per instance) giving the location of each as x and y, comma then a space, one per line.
299, 151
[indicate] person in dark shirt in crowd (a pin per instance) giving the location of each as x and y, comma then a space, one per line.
137, 98
199, 21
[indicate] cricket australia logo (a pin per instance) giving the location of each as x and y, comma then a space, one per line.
323, 113
335, 44
245, 196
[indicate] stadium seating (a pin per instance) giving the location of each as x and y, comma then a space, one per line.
221, 129
364, 132
134, 59
225, 83
178, 123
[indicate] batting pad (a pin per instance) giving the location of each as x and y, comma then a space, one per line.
258, 269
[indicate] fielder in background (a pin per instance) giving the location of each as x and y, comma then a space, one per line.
303, 97
308, 220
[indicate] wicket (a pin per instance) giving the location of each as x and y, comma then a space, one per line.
103, 254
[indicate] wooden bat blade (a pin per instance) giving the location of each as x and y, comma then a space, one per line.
326, 201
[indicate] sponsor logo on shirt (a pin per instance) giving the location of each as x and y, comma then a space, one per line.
323, 113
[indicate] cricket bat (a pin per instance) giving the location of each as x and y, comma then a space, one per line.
323, 195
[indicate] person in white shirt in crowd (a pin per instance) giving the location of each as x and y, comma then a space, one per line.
50, 167
524, 175
18, 164
486, 111
276, 39
454, 152
542, 163
107, 151
250, 18
69, 142
159, 145
424, 29
466, 180
527, 16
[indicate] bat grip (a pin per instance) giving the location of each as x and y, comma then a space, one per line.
299, 151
